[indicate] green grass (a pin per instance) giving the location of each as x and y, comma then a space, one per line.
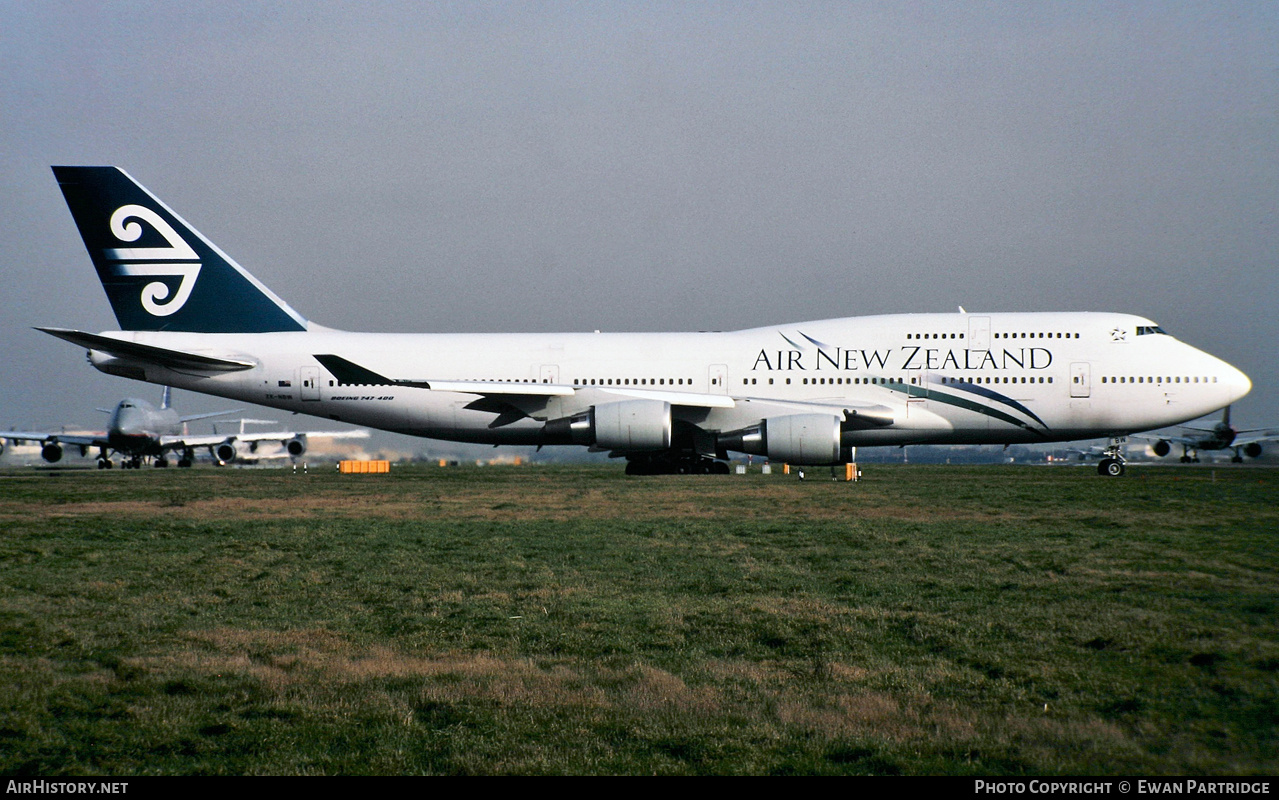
937, 620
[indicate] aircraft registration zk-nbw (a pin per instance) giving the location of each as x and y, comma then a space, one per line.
801, 393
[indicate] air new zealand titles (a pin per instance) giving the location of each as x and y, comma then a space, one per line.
908, 358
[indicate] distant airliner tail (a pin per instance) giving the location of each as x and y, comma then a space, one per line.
159, 272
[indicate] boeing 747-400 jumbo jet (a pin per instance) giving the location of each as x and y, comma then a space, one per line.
802, 393
138, 431
1222, 436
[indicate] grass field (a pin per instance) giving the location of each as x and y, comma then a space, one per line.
936, 620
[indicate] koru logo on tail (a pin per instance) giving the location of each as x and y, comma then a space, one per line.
177, 260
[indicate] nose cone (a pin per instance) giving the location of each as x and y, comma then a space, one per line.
1235, 383
129, 419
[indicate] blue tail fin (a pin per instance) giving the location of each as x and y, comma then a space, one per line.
159, 272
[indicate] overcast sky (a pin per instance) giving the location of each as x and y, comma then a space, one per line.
652, 166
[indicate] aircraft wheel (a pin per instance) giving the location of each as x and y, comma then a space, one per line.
1111, 467
184, 463
161, 463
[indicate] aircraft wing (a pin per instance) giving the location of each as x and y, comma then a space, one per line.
1188, 441
1261, 438
80, 440
351, 374
348, 373
524, 397
211, 439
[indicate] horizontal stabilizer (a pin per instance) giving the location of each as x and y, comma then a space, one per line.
194, 417
150, 354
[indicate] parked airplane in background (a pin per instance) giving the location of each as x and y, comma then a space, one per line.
803, 393
139, 431
1219, 437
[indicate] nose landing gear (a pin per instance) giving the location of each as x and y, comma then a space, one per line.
1113, 465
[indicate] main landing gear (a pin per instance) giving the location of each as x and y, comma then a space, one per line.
675, 465
1113, 465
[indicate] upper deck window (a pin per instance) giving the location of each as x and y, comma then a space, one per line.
1142, 330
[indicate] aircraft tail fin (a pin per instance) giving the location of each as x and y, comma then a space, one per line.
160, 273
166, 397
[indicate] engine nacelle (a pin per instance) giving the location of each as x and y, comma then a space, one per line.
295, 446
633, 425
1162, 448
1252, 450
225, 452
630, 425
812, 439
51, 452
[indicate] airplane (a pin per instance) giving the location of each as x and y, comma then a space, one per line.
1221, 436
800, 393
293, 444
139, 431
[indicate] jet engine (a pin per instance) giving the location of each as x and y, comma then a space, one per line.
811, 439
1162, 448
51, 452
225, 452
631, 425
295, 446
1252, 449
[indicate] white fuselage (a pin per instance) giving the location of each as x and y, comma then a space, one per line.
944, 378
136, 427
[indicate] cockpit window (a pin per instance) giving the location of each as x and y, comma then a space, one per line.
1142, 330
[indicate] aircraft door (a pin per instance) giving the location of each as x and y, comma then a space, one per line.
917, 393
718, 379
1080, 379
309, 383
979, 333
